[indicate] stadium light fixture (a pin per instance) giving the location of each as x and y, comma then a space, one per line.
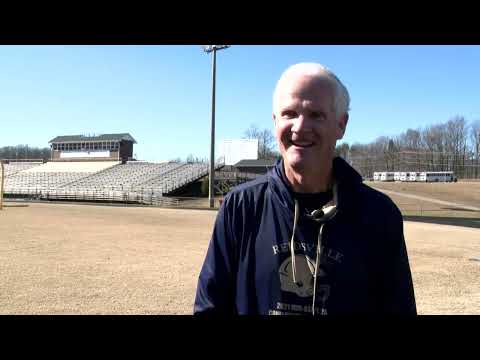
212, 49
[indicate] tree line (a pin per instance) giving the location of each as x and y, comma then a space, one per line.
24, 152
190, 159
453, 145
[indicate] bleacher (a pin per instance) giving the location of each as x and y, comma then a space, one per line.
50, 176
127, 176
101, 167
38, 181
185, 173
134, 181
12, 168
73, 167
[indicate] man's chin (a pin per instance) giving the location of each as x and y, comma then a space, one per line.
298, 164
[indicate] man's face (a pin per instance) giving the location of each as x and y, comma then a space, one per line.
306, 126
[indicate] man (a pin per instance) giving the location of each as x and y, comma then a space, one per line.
309, 237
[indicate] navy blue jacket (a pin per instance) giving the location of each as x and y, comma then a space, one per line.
364, 264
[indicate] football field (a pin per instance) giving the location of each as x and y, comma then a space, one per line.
90, 259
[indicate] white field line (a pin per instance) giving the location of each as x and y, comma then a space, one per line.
430, 200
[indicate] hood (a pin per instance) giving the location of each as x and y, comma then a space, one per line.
346, 177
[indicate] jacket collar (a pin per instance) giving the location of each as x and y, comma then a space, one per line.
346, 177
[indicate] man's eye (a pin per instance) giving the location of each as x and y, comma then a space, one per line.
289, 114
317, 115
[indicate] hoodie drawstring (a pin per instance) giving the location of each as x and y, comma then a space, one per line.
292, 246
317, 264
317, 261
331, 213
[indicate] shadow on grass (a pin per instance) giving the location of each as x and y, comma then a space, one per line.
456, 221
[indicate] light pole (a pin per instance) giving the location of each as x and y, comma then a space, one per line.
212, 49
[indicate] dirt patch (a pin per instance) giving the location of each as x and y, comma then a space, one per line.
446, 280
100, 260
86, 259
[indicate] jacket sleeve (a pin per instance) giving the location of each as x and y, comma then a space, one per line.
216, 283
397, 286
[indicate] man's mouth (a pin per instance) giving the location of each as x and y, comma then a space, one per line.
302, 144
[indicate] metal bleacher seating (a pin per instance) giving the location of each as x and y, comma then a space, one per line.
124, 177
15, 167
50, 176
104, 181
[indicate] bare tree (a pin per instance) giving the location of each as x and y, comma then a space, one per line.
413, 140
23, 152
343, 151
475, 141
433, 138
456, 143
195, 159
450, 146
266, 141
363, 159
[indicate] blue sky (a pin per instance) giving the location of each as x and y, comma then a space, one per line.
161, 95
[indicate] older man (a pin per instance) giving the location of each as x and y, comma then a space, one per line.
309, 237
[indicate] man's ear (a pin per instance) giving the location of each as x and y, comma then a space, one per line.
274, 118
342, 125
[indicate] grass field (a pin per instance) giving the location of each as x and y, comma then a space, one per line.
467, 193
86, 259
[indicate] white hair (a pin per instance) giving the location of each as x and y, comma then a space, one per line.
341, 98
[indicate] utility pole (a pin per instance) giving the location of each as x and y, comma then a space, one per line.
212, 49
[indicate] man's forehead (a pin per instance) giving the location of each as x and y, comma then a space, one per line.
299, 83
308, 93
305, 85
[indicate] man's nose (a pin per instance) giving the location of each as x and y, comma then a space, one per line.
301, 124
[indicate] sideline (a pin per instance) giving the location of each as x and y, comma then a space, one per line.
462, 206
